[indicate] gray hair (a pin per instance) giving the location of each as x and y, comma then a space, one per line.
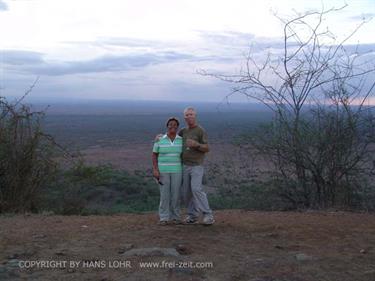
190, 108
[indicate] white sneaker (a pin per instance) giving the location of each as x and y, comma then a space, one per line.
208, 220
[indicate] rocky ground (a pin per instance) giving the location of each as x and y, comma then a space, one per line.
242, 245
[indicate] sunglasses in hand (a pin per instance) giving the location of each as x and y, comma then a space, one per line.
158, 181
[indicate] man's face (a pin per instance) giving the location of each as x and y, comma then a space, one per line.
189, 116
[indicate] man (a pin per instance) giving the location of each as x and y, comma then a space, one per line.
195, 145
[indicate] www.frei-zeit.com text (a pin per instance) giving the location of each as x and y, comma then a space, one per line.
112, 264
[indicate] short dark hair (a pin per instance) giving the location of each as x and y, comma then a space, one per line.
172, 119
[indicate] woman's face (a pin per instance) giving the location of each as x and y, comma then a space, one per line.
172, 127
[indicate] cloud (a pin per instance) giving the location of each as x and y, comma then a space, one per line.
3, 6
27, 62
238, 39
223, 44
129, 42
228, 47
110, 63
20, 57
223, 47
364, 16
35, 63
227, 38
143, 71
360, 48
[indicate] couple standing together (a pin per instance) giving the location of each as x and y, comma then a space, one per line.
177, 160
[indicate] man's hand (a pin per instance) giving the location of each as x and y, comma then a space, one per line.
158, 137
192, 143
156, 174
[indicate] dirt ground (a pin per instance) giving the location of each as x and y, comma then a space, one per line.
241, 245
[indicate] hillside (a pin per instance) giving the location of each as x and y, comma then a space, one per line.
242, 245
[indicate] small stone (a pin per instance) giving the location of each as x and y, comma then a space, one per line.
303, 257
183, 249
180, 271
13, 256
125, 247
363, 251
39, 236
279, 247
151, 252
60, 253
272, 235
13, 263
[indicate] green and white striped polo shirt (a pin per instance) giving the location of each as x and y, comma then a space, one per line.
169, 158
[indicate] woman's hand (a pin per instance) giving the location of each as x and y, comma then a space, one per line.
156, 174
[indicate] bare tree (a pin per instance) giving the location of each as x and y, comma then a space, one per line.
320, 139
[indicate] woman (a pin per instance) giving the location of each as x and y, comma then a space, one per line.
167, 170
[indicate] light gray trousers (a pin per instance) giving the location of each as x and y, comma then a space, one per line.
193, 195
169, 207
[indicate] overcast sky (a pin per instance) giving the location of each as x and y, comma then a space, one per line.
147, 49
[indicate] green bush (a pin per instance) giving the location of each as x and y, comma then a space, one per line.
100, 189
26, 157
